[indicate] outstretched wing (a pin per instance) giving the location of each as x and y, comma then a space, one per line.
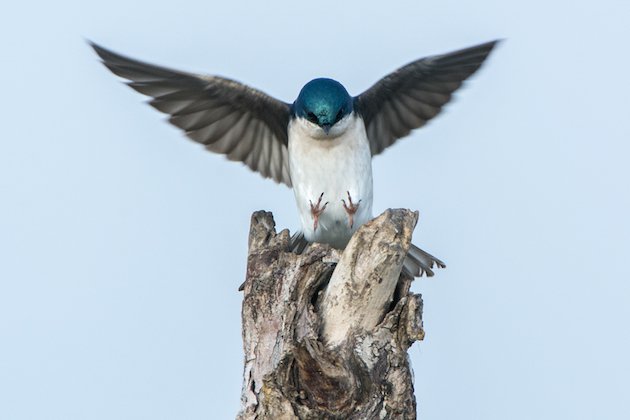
226, 116
412, 95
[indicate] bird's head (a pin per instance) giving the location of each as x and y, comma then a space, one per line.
324, 104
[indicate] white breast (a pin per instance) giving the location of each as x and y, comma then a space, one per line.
333, 165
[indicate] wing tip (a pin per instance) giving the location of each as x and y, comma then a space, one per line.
491, 45
99, 50
108, 58
481, 50
487, 47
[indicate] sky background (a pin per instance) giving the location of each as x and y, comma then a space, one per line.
122, 244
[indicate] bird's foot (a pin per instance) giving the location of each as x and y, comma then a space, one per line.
317, 209
350, 208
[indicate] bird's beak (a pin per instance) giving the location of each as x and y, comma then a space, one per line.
326, 128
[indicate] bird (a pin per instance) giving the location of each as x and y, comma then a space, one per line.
322, 144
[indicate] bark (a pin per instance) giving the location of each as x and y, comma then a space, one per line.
326, 333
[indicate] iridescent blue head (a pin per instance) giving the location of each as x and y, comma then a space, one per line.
323, 102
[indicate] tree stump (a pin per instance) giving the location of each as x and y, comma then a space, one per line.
326, 332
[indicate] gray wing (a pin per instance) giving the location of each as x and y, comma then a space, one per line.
225, 116
412, 95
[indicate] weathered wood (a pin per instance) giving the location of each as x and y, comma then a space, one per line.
326, 333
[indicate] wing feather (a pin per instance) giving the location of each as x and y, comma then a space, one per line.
409, 97
226, 116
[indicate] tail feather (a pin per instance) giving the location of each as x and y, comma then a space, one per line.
419, 263
416, 264
298, 243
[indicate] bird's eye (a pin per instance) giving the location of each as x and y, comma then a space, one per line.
339, 115
312, 117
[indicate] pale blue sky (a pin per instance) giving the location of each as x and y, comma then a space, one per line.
122, 244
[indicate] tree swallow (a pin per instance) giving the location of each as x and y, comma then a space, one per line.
322, 144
